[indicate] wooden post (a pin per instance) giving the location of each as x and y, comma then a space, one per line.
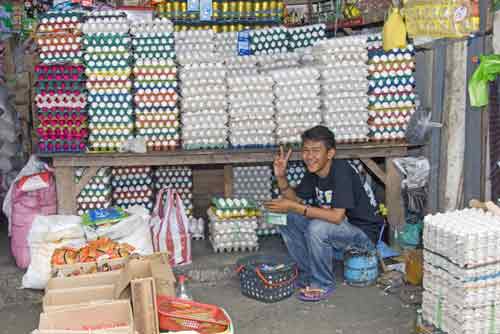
228, 180
393, 199
66, 204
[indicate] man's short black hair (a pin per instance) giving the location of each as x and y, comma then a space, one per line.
320, 133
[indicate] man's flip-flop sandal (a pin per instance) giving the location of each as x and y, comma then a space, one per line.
315, 294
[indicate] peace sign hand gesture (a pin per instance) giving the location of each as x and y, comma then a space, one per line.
280, 162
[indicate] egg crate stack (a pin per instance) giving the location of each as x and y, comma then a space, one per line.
255, 183
194, 46
60, 103
251, 111
462, 271
59, 38
278, 61
297, 102
204, 106
392, 94
306, 36
268, 41
133, 186
179, 178
237, 66
344, 86
226, 44
97, 193
155, 84
233, 230
107, 46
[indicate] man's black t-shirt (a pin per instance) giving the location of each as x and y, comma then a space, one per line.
342, 189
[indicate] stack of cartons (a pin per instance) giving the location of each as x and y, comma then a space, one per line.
80, 304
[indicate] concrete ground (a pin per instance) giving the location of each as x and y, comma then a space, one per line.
350, 310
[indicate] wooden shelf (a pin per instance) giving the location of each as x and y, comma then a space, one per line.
217, 157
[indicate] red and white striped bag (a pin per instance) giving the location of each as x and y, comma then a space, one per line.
170, 227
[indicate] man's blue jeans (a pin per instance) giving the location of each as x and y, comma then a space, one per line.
311, 243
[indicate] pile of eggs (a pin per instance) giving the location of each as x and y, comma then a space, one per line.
392, 93
97, 193
297, 102
194, 46
61, 102
251, 110
344, 86
306, 36
268, 41
132, 186
155, 84
204, 105
179, 178
107, 60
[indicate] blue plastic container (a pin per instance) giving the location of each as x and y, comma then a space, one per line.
360, 270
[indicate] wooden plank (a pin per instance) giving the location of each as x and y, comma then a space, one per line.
214, 157
66, 204
393, 199
89, 174
375, 169
228, 181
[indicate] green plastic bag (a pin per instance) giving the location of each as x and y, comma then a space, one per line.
411, 236
488, 69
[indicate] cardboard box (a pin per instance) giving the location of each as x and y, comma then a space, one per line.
60, 298
96, 279
114, 314
145, 306
155, 266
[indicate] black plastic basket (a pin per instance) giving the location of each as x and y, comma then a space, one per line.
268, 285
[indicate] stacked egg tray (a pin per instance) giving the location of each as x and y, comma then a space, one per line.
297, 102
251, 110
179, 178
60, 103
392, 94
226, 44
278, 61
107, 45
155, 84
97, 194
204, 106
344, 86
461, 271
268, 41
195, 46
234, 228
133, 186
306, 36
59, 38
237, 66
255, 183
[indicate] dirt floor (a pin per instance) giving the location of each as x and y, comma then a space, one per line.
350, 311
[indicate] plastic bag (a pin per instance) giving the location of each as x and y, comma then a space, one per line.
394, 35
33, 166
411, 236
46, 235
420, 126
133, 230
487, 71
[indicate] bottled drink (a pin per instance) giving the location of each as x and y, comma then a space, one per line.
182, 289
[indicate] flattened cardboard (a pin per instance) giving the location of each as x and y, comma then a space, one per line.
155, 266
79, 318
96, 279
144, 305
57, 299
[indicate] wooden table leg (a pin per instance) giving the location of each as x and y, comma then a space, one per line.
66, 204
393, 199
228, 181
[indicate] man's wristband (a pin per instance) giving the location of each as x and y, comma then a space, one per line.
305, 211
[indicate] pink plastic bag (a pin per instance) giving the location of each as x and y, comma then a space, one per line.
169, 227
25, 206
